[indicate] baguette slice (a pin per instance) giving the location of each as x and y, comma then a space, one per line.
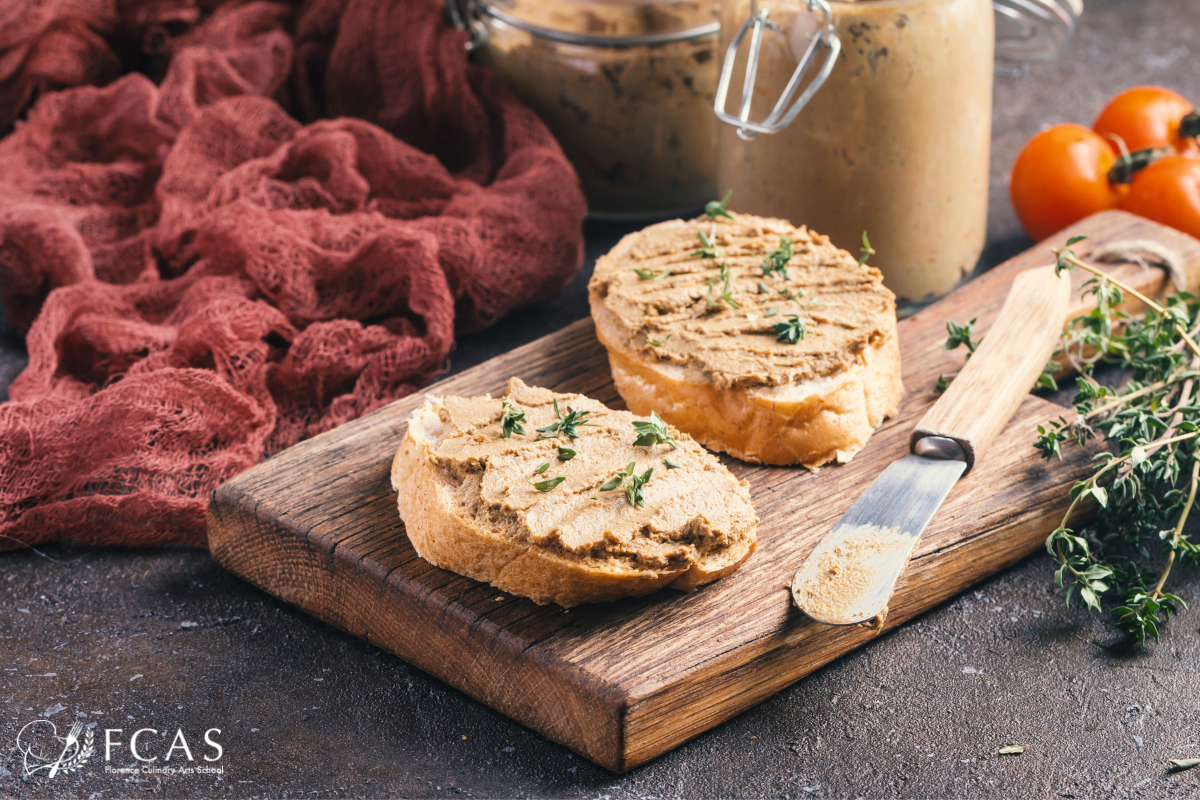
693, 330
467, 497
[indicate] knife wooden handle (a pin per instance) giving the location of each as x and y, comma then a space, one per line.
982, 399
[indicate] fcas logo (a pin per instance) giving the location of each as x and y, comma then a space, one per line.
44, 751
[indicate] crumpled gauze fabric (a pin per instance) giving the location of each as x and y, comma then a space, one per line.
228, 226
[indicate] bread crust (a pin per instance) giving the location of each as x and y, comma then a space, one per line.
760, 426
443, 532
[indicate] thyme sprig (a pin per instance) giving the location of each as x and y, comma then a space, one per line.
867, 251
511, 419
653, 432
776, 260
651, 275
1144, 485
708, 247
726, 295
619, 478
634, 484
717, 208
961, 335
791, 331
567, 425
964, 335
633, 492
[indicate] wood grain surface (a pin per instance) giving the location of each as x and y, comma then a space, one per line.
621, 683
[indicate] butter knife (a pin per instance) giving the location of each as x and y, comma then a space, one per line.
849, 578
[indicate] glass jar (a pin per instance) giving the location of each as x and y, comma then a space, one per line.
894, 139
626, 86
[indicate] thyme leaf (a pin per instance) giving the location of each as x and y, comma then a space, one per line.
776, 260
1048, 378
549, 484
708, 247
659, 342
567, 425
670, 463
653, 432
566, 453
717, 208
867, 251
633, 492
612, 483
650, 275
619, 479
726, 295
791, 331
961, 335
511, 419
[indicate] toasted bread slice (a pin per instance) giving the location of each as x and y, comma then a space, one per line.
481, 504
755, 337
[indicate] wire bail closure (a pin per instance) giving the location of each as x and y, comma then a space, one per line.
785, 109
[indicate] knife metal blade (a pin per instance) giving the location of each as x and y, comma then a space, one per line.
848, 579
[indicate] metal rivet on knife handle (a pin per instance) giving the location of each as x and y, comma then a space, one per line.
982, 399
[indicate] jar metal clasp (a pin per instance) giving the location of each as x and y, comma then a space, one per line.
788, 105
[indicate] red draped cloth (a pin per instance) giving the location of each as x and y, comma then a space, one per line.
226, 226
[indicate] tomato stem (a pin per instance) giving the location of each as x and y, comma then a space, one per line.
1189, 126
1128, 164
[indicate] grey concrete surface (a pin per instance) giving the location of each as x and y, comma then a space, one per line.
165, 639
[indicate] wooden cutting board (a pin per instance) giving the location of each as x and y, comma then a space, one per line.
621, 683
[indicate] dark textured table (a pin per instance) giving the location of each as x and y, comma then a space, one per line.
165, 639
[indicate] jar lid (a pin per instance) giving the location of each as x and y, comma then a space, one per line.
608, 22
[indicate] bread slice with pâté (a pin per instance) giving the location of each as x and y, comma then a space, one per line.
560, 499
755, 337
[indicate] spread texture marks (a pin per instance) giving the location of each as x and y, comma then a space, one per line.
613, 520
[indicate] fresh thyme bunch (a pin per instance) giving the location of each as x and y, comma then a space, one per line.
1144, 483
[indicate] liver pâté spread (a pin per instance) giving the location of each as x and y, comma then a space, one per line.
716, 312
688, 510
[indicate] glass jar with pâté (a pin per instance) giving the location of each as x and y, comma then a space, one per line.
626, 86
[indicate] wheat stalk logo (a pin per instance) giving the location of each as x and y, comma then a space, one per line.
77, 749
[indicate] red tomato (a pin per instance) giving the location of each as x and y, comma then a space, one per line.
1145, 116
1168, 191
1060, 177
